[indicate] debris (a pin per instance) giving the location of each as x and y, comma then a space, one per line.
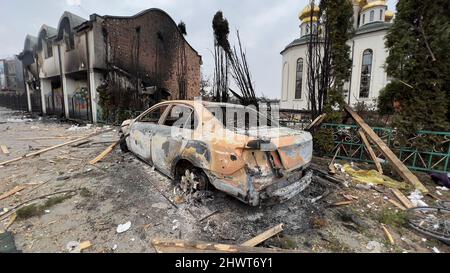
77, 247
263, 236
388, 235
370, 150
11, 192
255, 217
61, 178
80, 143
46, 138
11, 221
180, 246
373, 177
342, 203
404, 172
316, 122
436, 250
331, 167
209, 215
16, 120
107, 151
4, 149
402, 198
53, 147
84, 245
160, 205
395, 203
114, 247
79, 128
374, 247
442, 188
121, 228
416, 199
430, 221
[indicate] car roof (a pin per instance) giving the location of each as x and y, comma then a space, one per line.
204, 103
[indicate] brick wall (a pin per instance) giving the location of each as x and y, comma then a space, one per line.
150, 45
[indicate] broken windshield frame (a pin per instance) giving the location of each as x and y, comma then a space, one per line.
240, 118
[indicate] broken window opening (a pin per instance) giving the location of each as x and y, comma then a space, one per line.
299, 79
154, 115
366, 71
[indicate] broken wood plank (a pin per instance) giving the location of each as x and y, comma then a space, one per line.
388, 235
180, 246
11, 220
342, 203
370, 150
80, 143
316, 122
107, 151
395, 203
84, 245
331, 168
399, 167
405, 201
46, 138
263, 236
4, 149
53, 147
11, 192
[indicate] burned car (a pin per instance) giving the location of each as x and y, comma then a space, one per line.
236, 149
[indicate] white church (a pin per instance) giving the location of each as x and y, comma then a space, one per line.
368, 52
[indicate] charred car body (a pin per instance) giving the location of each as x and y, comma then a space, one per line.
202, 143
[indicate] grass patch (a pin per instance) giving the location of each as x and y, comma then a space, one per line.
38, 210
392, 218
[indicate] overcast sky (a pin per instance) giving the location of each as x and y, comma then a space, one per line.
266, 26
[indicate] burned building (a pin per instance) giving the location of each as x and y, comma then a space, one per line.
109, 67
12, 91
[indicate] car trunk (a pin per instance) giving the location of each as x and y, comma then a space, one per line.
294, 147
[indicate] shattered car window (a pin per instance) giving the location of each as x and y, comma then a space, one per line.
154, 115
240, 118
180, 116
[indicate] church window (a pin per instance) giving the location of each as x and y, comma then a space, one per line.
366, 71
299, 79
372, 15
364, 19
381, 15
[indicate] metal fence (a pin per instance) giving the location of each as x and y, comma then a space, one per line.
426, 151
55, 104
117, 116
15, 101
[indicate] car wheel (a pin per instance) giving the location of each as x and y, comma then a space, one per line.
192, 180
123, 145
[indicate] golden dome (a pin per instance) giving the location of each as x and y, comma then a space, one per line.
374, 4
308, 19
361, 3
306, 12
388, 15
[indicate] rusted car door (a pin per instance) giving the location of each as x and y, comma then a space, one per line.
172, 135
142, 130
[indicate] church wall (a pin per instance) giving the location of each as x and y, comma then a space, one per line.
378, 80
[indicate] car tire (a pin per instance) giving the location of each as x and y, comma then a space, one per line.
123, 145
200, 177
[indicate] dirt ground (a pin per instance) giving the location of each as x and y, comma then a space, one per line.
121, 188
